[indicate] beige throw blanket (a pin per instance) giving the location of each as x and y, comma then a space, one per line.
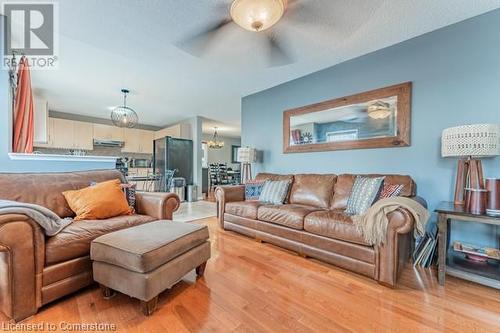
373, 224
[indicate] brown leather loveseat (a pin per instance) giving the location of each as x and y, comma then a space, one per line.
313, 223
36, 269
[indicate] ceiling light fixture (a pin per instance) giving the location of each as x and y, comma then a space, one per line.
215, 143
123, 116
257, 15
379, 110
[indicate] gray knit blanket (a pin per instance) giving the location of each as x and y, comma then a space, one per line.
50, 222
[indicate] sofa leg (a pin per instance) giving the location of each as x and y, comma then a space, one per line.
259, 240
148, 307
200, 270
303, 255
107, 293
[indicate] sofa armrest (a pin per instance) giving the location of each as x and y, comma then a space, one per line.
225, 194
156, 204
394, 254
22, 258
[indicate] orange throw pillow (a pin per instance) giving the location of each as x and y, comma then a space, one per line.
101, 201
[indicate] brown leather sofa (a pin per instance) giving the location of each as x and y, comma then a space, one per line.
36, 269
313, 223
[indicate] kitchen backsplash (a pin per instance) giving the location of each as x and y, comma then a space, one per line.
97, 151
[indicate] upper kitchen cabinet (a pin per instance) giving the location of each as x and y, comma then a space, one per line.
138, 141
68, 134
106, 132
83, 135
179, 131
62, 133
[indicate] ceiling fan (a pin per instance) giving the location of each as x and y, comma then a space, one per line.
255, 16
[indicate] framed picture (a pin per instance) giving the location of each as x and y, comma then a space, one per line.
234, 153
375, 119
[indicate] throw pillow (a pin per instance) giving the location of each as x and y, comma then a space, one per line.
129, 191
364, 192
253, 189
101, 201
274, 192
391, 190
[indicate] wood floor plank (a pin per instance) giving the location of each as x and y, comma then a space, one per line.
257, 287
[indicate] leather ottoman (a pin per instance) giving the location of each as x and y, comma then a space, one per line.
145, 260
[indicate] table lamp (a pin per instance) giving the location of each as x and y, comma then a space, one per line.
470, 143
246, 156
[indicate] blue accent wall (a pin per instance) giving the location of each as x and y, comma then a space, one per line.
456, 80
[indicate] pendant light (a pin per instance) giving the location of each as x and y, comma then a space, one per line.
123, 116
215, 143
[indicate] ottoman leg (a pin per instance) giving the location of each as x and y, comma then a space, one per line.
149, 307
107, 293
200, 270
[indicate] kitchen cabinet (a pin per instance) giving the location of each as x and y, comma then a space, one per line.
68, 134
107, 132
146, 138
179, 131
50, 136
138, 141
83, 135
62, 133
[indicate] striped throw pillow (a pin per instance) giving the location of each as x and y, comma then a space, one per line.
364, 192
274, 192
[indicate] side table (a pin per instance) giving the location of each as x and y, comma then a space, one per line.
454, 264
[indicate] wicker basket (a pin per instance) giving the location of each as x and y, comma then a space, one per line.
478, 140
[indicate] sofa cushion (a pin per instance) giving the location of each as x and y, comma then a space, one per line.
146, 247
45, 189
312, 190
273, 176
74, 240
343, 187
246, 209
333, 224
288, 215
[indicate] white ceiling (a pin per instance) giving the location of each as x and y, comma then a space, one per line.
114, 44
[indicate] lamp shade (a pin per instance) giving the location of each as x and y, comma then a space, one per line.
479, 140
246, 155
257, 15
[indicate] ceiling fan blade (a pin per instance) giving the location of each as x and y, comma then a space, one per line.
198, 43
302, 7
277, 54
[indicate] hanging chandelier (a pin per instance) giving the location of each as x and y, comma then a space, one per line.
215, 143
123, 116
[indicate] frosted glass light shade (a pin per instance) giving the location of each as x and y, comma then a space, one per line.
246, 155
257, 15
479, 140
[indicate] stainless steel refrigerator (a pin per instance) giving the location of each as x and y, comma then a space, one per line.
173, 154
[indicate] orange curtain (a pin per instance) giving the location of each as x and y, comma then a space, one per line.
23, 111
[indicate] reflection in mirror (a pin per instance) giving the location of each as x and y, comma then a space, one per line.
368, 120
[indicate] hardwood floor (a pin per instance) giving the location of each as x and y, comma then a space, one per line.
253, 287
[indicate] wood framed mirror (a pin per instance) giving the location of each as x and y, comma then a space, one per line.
379, 118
